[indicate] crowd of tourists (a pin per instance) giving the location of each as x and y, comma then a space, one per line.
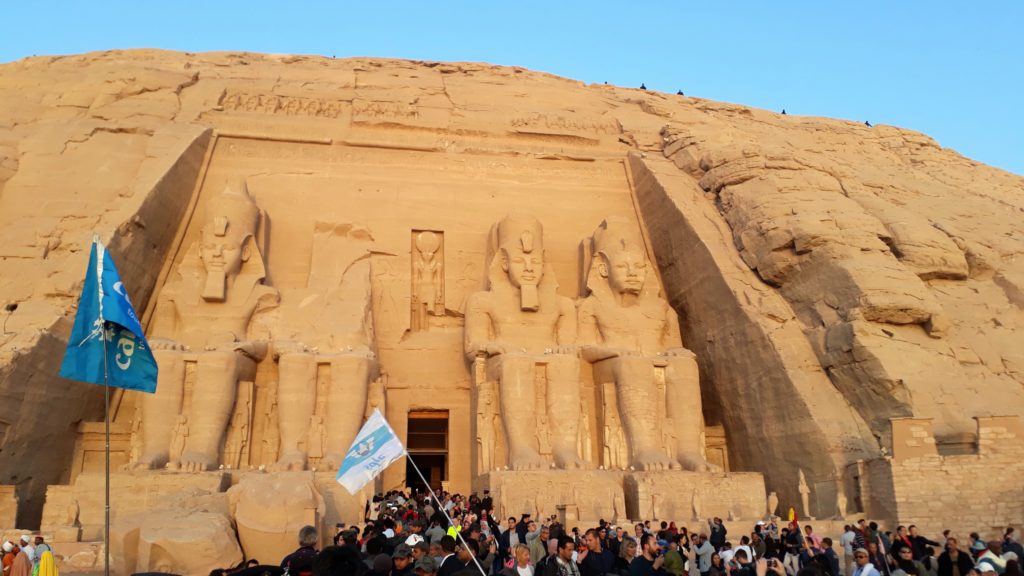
412, 536
28, 556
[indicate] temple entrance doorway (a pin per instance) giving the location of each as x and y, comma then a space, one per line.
427, 444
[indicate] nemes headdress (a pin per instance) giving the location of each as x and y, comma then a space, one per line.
237, 203
616, 233
520, 231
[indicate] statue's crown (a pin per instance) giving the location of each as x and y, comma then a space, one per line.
616, 233
233, 204
521, 231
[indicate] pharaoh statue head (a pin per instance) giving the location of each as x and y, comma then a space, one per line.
227, 239
520, 244
619, 256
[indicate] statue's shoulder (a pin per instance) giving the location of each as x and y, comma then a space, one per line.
588, 303
176, 289
265, 296
481, 299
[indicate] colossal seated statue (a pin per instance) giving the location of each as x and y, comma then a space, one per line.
631, 336
328, 323
525, 333
203, 316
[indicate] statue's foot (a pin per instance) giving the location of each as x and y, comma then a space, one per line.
530, 461
291, 461
174, 465
652, 460
693, 461
148, 462
330, 462
571, 461
195, 461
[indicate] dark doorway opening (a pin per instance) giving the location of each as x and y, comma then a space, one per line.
427, 443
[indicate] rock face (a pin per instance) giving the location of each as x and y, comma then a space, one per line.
271, 509
299, 231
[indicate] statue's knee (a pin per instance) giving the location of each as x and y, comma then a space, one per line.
564, 364
351, 365
296, 361
168, 358
226, 363
683, 364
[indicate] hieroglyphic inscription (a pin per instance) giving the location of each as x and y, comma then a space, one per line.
364, 109
286, 105
554, 122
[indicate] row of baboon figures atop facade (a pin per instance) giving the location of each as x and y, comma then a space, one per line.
523, 343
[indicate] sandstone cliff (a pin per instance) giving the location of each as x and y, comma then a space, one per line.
829, 276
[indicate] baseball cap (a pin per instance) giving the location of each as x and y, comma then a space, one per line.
985, 567
426, 564
413, 539
402, 551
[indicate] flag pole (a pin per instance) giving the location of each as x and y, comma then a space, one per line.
106, 463
440, 506
106, 417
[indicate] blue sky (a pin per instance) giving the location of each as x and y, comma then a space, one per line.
953, 70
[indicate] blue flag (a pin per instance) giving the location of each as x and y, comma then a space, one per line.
106, 322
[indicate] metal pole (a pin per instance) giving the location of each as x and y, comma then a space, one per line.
440, 506
106, 458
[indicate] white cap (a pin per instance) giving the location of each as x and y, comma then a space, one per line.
985, 567
8, 546
760, 522
26, 538
413, 539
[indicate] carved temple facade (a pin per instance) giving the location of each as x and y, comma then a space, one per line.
543, 285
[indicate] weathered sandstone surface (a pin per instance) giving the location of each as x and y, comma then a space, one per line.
830, 278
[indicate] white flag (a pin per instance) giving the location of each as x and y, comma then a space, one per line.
374, 449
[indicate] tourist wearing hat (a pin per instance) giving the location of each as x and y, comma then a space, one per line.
8, 556
426, 566
402, 559
20, 566
863, 566
41, 548
28, 548
420, 549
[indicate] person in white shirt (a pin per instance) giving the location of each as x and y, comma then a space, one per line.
846, 541
30, 550
745, 545
864, 567
726, 553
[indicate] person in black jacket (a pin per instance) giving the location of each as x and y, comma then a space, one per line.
718, 533
919, 543
450, 563
954, 562
595, 560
